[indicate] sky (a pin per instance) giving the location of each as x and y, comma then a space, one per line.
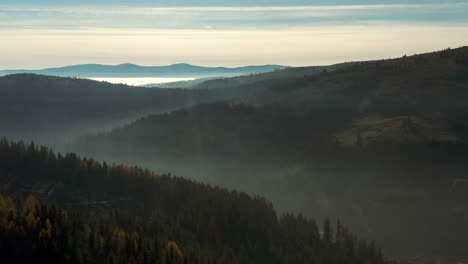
49, 33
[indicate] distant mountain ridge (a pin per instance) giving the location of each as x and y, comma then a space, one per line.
133, 70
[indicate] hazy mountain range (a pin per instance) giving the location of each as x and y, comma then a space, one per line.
132, 70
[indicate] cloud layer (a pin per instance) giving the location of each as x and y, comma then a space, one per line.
43, 36
225, 17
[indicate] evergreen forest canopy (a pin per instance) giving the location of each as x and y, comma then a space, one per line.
82, 211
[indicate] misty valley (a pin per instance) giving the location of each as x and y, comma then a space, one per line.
234, 132
357, 162
144, 81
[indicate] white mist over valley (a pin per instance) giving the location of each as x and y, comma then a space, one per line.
140, 81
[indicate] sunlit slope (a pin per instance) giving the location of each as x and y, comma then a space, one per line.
421, 97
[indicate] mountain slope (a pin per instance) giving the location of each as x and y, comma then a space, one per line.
421, 96
429, 90
132, 70
254, 80
48, 108
269, 78
364, 140
130, 212
35, 232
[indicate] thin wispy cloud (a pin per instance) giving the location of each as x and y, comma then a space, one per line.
127, 10
300, 46
36, 36
225, 17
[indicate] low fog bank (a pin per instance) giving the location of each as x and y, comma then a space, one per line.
62, 136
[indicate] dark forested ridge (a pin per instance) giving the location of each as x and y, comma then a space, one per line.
48, 108
93, 212
44, 106
357, 142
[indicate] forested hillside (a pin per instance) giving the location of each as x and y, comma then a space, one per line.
411, 99
33, 232
120, 214
363, 139
48, 109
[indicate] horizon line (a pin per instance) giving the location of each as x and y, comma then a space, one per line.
236, 67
